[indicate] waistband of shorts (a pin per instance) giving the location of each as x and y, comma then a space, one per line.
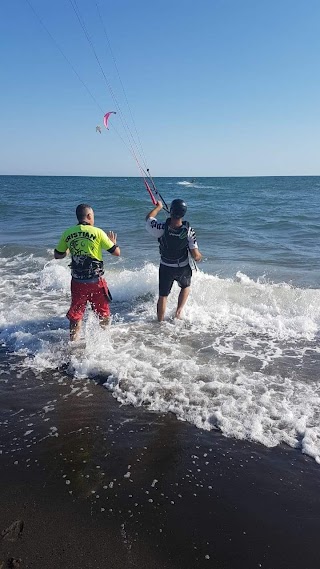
182, 264
87, 281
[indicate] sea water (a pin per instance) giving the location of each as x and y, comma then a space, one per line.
245, 356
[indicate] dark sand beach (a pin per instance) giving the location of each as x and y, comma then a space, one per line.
87, 483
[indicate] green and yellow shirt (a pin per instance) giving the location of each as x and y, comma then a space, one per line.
85, 243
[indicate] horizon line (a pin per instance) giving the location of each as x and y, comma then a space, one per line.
181, 176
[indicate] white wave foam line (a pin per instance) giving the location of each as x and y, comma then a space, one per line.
31, 301
152, 370
242, 303
21, 262
226, 309
240, 405
126, 285
244, 306
200, 186
175, 366
55, 277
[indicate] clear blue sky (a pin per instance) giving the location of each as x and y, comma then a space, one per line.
216, 87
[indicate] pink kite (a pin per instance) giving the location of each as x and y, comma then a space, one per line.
106, 117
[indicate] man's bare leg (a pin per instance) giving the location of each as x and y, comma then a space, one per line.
75, 329
182, 299
161, 307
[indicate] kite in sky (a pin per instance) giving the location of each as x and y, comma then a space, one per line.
106, 117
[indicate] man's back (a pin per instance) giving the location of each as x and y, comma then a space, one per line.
83, 239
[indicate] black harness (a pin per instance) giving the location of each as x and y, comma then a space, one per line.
84, 267
173, 244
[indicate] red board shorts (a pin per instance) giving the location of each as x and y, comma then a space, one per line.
96, 293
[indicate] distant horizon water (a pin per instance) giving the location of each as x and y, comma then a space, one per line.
162, 176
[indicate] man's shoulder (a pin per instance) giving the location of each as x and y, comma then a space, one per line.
155, 224
101, 233
97, 229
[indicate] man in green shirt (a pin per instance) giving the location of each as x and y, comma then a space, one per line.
85, 243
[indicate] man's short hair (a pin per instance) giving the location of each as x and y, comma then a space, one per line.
82, 211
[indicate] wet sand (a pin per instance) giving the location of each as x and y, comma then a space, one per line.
88, 483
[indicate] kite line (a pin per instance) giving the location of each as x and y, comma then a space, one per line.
145, 172
134, 147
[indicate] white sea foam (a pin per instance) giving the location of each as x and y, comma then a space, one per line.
198, 185
243, 359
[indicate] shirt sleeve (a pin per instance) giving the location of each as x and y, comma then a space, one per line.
154, 227
192, 239
106, 243
62, 245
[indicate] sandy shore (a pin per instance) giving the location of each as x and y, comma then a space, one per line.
86, 483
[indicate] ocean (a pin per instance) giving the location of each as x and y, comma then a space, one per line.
244, 358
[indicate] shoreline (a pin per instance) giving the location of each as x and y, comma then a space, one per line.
100, 485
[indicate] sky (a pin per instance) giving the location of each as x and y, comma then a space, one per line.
214, 87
